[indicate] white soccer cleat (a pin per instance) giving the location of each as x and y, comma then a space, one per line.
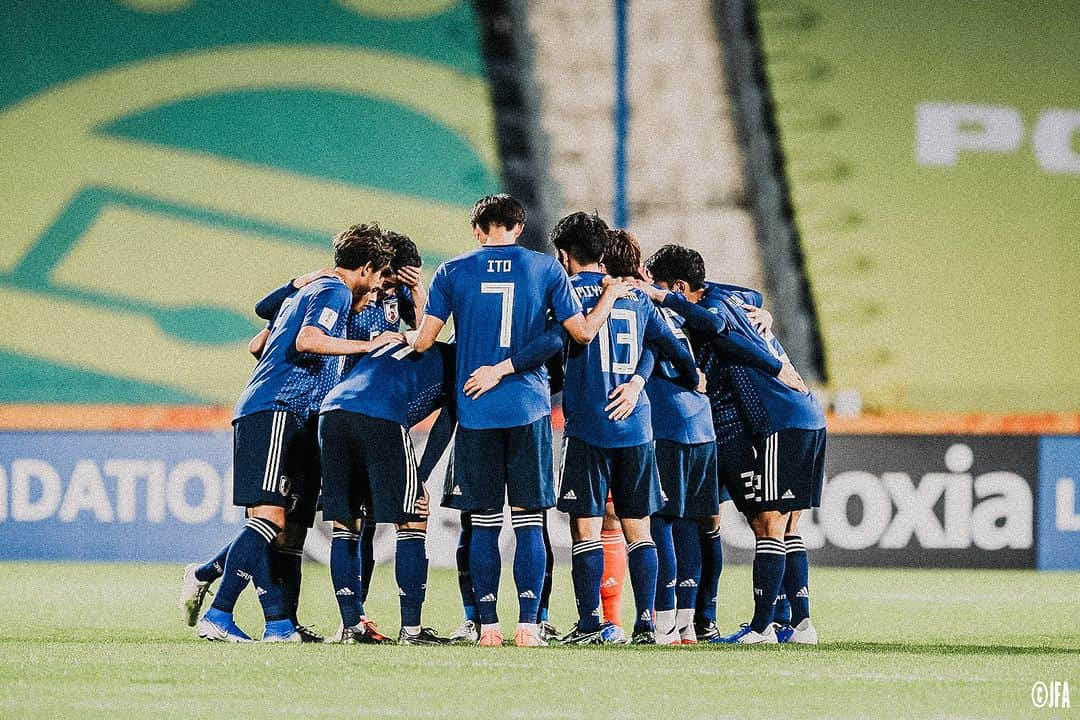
804, 633
192, 593
467, 632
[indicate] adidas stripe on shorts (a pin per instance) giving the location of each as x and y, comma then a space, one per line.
275, 460
784, 471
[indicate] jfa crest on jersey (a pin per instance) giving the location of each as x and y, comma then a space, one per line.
390, 310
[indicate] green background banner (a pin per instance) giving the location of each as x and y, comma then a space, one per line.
933, 150
166, 162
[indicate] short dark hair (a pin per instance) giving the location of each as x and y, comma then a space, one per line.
406, 254
582, 236
501, 209
675, 262
622, 256
357, 245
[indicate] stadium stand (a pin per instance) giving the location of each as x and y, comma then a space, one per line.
166, 164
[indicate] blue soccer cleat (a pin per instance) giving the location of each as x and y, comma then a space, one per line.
219, 625
281, 631
748, 636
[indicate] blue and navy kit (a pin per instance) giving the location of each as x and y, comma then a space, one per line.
396, 383
768, 404
679, 414
500, 298
593, 371
285, 379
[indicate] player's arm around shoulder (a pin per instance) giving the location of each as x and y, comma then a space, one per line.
324, 321
436, 311
582, 328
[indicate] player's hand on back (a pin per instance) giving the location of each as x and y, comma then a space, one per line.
702, 384
624, 399
655, 294
483, 379
760, 318
311, 277
790, 377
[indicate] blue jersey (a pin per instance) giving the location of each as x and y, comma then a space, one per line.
593, 371
285, 379
769, 405
747, 396
678, 414
500, 298
396, 383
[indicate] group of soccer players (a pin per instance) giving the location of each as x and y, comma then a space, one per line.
676, 396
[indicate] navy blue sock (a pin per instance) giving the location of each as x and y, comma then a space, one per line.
214, 568
549, 569
286, 563
641, 563
485, 564
587, 569
781, 612
345, 575
769, 561
712, 564
665, 563
410, 569
246, 561
367, 558
687, 563
529, 561
796, 578
464, 576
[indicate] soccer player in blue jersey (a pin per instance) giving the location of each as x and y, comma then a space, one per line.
271, 472
608, 434
369, 465
400, 295
500, 296
685, 455
774, 437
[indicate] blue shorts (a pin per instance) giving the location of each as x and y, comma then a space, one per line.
589, 472
493, 466
688, 479
784, 472
276, 462
369, 469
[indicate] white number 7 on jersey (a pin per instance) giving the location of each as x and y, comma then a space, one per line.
506, 319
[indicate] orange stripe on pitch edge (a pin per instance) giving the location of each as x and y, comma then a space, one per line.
186, 417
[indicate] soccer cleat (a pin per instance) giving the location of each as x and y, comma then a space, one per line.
218, 625
748, 636
426, 636
706, 631
687, 636
644, 637
308, 635
467, 632
526, 636
363, 633
491, 638
613, 634
802, 634
281, 631
192, 593
584, 637
548, 633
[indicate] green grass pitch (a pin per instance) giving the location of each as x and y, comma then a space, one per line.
106, 641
